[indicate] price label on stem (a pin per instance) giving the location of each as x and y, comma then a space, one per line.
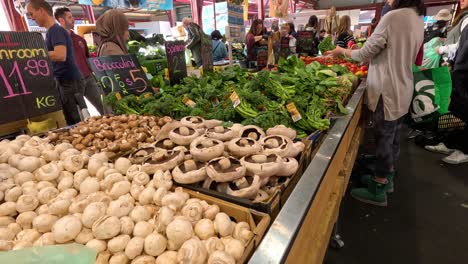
188, 102
295, 115
235, 99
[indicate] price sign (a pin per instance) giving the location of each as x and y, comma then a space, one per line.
305, 42
175, 53
27, 86
120, 73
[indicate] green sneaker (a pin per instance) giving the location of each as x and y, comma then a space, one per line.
365, 179
374, 194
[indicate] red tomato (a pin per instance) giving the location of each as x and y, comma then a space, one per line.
364, 68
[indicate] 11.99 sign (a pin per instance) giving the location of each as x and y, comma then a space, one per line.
27, 87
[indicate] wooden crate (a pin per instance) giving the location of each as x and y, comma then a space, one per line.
312, 145
270, 207
259, 222
273, 205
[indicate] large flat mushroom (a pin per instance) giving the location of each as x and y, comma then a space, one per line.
289, 167
262, 165
194, 122
183, 135
282, 131
163, 160
248, 192
253, 132
221, 133
225, 169
142, 154
241, 147
189, 172
281, 145
165, 143
205, 149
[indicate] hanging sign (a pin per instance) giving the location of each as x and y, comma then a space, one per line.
27, 86
114, 3
175, 53
159, 4
305, 41
120, 73
279, 8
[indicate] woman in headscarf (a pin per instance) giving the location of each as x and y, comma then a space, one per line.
112, 27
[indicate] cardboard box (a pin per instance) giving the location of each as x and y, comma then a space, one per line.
259, 222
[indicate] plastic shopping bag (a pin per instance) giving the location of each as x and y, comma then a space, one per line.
57, 254
431, 58
432, 90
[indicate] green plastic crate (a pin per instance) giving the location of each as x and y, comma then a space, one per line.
155, 66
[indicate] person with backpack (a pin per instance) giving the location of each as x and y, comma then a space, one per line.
219, 48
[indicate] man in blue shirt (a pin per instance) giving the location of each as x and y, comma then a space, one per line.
66, 73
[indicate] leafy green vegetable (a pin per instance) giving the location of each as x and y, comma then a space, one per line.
326, 45
316, 90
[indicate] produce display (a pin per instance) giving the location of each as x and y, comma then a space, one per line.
326, 45
241, 161
352, 66
296, 96
57, 194
113, 134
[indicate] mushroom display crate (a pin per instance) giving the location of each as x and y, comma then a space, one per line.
278, 197
259, 222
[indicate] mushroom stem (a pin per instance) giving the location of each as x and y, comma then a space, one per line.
259, 158
243, 142
168, 143
272, 143
225, 163
190, 165
184, 131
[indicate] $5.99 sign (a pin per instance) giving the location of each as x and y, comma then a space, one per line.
121, 74
27, 87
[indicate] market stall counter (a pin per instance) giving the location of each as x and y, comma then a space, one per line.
302, 230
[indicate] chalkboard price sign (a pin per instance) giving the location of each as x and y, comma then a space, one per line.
27, 87
120, 73
175, 53
305, 41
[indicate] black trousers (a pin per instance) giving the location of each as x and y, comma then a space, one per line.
71, 95
387, 140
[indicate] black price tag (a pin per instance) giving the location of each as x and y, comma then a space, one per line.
175, 53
